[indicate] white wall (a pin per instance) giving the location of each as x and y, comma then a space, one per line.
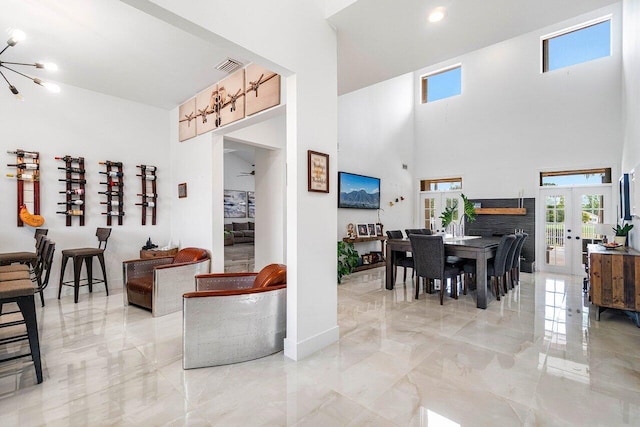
512, 121
97, 127
376, 136
274, 33
631, 99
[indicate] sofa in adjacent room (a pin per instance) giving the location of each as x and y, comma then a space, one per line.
239, 232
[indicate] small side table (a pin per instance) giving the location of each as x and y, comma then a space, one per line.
154, 253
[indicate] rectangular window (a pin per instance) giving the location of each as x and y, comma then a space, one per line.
443, 184
442, 84
576, 177
576, 46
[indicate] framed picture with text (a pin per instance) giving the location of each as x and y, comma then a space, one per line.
318, 170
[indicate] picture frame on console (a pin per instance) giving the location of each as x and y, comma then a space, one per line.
372, 230
362, 230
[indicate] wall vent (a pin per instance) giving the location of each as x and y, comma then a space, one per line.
229, 65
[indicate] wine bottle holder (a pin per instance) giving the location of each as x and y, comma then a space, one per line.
27, 169
75, 181
149, 194
114, 192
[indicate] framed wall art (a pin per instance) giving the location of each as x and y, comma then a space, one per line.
318, 171
262, 88
251, 200
231, 92
182, 190
235, 204
187, 120
206, 111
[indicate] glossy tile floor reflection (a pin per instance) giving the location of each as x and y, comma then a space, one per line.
239, 258
536, 358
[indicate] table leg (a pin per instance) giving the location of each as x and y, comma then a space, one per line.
389, 268
481, 280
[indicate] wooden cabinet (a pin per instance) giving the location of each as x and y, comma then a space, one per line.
151, 253
614, 277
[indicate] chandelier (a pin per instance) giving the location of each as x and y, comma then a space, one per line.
17, 36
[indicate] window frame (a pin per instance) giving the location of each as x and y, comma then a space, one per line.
425, 184
424, 82
607, 171
544, 51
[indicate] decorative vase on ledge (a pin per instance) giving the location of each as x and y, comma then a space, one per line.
621, 240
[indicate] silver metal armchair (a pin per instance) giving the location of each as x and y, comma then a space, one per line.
158, 283
233, 318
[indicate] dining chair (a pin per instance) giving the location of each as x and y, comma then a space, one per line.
496, 266
430, 262
400, 258
508, 276
422, 231
515, 265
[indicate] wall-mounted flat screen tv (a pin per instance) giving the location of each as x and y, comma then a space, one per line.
358, 191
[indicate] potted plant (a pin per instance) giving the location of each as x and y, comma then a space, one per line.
347, 259
621, 233
469, 211
447, 214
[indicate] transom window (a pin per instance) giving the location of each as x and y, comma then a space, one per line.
576, 46
442, 84
442, 184
576, 177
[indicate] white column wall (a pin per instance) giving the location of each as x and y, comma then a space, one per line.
376, 136
97, 127
274, 31
511, 120
631, 99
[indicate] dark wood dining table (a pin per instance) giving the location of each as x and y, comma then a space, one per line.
481, 249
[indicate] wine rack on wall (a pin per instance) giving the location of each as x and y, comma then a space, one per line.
149, 193
75, 188
114, 191
27, 169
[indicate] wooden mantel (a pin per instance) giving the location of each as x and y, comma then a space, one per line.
501, 211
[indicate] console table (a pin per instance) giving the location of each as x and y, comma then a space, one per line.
157, 253
614, 278
380, 263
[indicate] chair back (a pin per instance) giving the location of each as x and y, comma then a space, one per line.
46, 266
271, 275
422, 231
103, 235
394, 234
512, 252
190, 255
428, 255
516, 259
502, 253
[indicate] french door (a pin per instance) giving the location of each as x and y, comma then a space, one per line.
433, 203
569, 218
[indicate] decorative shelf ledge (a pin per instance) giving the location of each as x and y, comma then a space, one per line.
364, 239
501, 211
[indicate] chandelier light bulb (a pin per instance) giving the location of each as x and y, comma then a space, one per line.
437, 14
50, 66
16, 36
51, 87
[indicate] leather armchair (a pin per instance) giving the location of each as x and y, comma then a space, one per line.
158, 283
233, 318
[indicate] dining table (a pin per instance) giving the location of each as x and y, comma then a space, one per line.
478, 248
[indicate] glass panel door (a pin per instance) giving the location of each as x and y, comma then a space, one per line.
432, 204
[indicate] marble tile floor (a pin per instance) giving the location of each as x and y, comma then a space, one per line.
538, 357
239, 258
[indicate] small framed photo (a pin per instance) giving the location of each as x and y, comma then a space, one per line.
362, 230
182, 190
366, 259
372, 230
318, 171
378, 229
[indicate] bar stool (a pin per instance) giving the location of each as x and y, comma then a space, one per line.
28, 258
22, 292
86, 255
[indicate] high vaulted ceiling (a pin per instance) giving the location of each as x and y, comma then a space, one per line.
110, 47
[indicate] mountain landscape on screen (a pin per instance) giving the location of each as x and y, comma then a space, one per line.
358, 191
360, 199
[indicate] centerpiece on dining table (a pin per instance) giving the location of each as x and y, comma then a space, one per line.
450, 212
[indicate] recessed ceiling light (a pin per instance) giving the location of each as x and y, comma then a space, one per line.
437, 14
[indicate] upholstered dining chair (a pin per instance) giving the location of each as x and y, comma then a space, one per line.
508, 273
158, 284
430, 262
423, 231
515, 265
28, 258
234, 317
496, 266
400, 259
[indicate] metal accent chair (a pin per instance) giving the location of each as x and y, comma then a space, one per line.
400, 258
430, 261
158, 283
85, 254
233, 318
